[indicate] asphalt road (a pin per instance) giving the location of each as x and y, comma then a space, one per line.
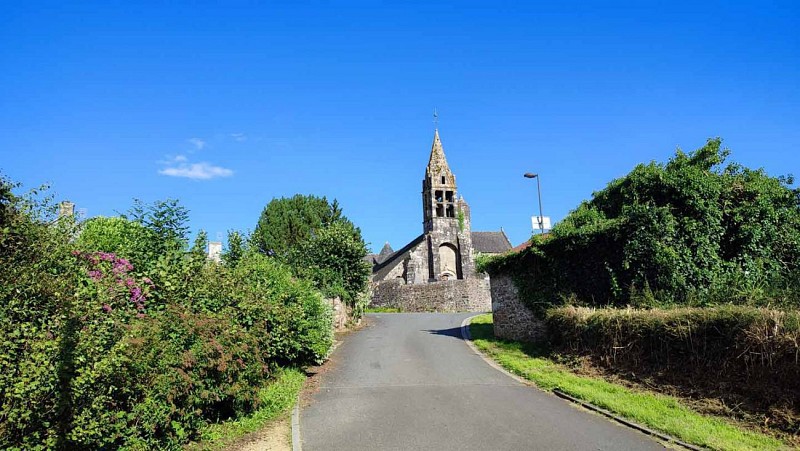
409, 382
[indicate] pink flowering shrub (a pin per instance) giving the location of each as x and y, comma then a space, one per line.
96, 355
113, 280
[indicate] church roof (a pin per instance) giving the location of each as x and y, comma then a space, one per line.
490, 242
385, 253
372, 259
437, 164
380, 270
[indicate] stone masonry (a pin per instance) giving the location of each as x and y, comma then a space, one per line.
436, 270
445, 296
512, 319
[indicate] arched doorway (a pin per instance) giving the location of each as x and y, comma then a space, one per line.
449, 262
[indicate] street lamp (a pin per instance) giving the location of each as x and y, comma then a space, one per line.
528, 175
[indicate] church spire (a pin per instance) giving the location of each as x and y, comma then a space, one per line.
437, 164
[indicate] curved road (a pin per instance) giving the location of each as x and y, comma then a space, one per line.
408, 381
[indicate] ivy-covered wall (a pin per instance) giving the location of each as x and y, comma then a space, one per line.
688, 232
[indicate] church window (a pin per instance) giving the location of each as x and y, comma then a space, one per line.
448, 195
451, 211
443, 180
439, 210
438, 196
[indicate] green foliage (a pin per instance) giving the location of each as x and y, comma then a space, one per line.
333, 259
319, 243
121, 339
235, 250
123, 237
277, 400
167, 219
287, 222
184, 370
657, 411
199, 245
37, 275
751, 350
290, 310
688, 232
748, 337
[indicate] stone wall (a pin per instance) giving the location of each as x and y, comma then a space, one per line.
465, 295
512, 319
340, 313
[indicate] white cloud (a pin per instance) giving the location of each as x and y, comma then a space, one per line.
198, 143
179, 159
239, 137
195, 171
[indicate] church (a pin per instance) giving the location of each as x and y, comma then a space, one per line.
436, 271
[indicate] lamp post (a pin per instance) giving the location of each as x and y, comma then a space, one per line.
529, 175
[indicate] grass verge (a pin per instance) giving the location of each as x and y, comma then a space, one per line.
277, 399
382, 310
657, 411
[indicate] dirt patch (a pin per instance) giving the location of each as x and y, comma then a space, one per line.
276, 436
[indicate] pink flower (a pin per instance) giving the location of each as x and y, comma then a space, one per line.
96, 274
136, 294
106, 308
106, 256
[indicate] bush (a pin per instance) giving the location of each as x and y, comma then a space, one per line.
176, 374
319, 243
294, 314
745, 337
99, 353
746, 356
120, 236
37, 275
687, 232
333, 259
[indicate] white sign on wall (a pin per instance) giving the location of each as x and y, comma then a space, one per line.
540, 222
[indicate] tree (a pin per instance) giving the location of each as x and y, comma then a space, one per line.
120, 236
167, 219
286, 222
200, 242
235, 250
333, 259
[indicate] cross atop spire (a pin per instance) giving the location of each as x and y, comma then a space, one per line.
435, 119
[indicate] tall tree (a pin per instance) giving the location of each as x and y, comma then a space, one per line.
235, 249
167, 219
287, 222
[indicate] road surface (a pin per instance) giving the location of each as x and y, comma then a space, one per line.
409, 382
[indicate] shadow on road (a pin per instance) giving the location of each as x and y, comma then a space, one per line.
454, 332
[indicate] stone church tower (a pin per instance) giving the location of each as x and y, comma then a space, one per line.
436, 270
445, 220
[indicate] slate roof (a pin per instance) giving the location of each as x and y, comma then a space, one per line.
383, 268
372, 259
490, 242
385, 253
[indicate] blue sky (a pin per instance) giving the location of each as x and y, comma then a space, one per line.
110, 101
